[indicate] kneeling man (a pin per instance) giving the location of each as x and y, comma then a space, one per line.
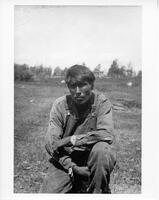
79, 138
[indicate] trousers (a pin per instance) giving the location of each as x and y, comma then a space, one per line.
100, 160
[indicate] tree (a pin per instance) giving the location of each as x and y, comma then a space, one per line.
122, 71
139, 74
41, 71
129, 70
63, 73
84, 64
47, 71
114, 69
97, 71
97, 68
22, 72
57, 71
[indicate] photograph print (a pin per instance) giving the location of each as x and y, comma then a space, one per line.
77, 99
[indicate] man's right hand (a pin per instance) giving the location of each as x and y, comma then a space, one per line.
83, 171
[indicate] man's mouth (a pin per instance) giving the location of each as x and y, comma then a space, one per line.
78, 98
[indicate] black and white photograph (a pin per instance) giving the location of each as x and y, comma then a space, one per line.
71, 63
78, 100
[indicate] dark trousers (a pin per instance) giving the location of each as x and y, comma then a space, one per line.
100, 160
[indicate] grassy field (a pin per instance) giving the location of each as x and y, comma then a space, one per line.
32, 104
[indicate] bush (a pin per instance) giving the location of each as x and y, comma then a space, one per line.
22, 73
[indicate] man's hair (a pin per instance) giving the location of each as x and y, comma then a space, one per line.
81, 71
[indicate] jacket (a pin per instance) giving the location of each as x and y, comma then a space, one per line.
95, 125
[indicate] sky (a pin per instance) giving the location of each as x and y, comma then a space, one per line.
67, 35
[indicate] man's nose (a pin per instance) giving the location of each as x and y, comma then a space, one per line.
78, 90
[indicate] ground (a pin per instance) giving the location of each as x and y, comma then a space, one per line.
32, 104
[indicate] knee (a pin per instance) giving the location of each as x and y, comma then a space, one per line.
103, 155
101, 149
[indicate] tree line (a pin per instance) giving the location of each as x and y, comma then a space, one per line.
24, 72
115, 71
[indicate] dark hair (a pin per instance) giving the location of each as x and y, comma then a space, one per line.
81, 71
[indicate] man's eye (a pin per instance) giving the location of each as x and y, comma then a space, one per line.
82, 84
72, 86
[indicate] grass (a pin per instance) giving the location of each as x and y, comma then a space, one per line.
33, 101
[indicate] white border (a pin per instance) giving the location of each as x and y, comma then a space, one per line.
150, 163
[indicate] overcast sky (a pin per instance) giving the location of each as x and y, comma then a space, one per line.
67, 35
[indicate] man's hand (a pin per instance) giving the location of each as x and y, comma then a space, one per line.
68, 150
83, 171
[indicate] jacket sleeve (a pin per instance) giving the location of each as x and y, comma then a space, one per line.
53, 140
104, 126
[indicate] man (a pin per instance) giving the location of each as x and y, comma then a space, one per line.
79, 138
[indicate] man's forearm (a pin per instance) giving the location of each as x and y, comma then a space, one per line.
57, 144
93, 137
64, 142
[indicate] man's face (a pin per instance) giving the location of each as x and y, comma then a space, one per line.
81, 91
